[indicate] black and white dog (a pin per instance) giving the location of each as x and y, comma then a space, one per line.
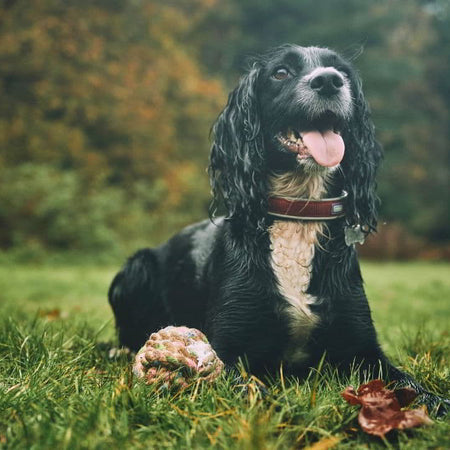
293, 160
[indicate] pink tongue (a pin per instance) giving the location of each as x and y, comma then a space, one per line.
326, 148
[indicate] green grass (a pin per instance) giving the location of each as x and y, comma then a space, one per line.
58, 389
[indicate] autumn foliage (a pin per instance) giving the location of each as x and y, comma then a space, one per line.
100, 100
106, 107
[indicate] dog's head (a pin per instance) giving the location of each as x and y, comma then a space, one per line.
305, 100
297, 109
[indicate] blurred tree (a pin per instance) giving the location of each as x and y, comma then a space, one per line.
402, 51
105, 94
108, 89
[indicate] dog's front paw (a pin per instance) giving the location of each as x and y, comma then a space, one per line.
436, 405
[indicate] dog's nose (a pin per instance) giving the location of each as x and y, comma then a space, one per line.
327, 83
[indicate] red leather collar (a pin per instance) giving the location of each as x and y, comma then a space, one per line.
304, 209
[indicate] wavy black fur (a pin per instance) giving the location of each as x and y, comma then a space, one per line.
218, 276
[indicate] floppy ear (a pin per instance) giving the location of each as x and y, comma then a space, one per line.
361, 160
237, 166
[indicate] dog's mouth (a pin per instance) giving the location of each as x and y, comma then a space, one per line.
321, 141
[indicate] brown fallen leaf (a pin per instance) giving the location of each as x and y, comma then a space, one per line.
50, 314
381, 408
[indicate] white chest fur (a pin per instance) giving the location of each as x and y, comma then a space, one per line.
293, 246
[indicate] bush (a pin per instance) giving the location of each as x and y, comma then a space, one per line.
45, 209
42, 206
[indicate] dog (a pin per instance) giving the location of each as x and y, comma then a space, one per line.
277, 280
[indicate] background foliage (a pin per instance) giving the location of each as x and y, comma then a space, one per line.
106, 106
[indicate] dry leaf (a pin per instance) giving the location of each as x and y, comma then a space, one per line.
381, 408
50, 314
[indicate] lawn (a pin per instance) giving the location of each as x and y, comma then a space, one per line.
59, 389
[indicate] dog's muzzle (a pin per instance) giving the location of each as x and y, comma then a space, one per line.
323, 90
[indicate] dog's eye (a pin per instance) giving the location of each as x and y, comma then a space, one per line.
281, 73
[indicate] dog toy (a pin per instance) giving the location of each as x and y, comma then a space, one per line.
175, 357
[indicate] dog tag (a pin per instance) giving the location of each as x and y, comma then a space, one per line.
354, 234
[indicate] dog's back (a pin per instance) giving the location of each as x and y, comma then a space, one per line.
165, 285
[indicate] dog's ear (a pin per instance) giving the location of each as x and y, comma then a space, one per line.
237, 166
359, 166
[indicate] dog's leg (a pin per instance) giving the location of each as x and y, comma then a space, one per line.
435, 404
371, 367
135, 297
350, 340
373, 363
